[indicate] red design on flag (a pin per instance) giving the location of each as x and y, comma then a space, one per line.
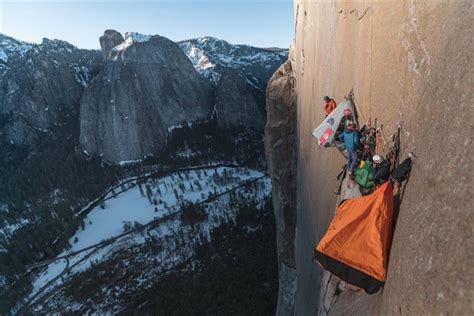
324, 138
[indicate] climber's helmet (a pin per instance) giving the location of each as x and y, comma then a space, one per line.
326, 98
377, 159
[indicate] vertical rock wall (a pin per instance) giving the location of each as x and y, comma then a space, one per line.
235, 103
408, 62
280, 148
144, 88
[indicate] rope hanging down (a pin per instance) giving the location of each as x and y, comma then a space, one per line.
355, 101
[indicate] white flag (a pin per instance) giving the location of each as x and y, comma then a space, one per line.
324, 133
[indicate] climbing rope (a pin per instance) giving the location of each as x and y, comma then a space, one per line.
380, 148
358, 108
382, 143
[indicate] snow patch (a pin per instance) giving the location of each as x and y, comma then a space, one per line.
4, 207
11, 47
8, 230
129, 162
137, 37
3, 56
130, 38
82, 74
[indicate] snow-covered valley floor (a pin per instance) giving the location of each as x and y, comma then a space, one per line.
150, 212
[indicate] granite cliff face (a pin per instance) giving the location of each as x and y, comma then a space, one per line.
109, 40
280, 149
146, 87
409, 63
127, 99
235, 104
149, 85
38, 82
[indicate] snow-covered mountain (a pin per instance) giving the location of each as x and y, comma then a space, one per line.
11, 48
155, 84
210, 56
14, 52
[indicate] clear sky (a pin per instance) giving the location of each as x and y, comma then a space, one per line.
262, 23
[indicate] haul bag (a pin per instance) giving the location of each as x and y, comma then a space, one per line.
402, 172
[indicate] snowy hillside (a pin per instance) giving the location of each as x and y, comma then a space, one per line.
156, 205
11, 48
210, 56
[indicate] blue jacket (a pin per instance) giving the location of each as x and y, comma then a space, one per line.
351, 139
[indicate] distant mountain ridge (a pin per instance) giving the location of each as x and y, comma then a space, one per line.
37, 82
210, 56
40, 80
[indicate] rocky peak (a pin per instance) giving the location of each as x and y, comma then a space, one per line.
147, 86
127, 51
56, 44
109, 40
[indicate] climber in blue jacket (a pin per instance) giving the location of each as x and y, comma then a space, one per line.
351, 139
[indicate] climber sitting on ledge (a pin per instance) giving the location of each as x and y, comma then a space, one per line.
329, 105
351, 139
